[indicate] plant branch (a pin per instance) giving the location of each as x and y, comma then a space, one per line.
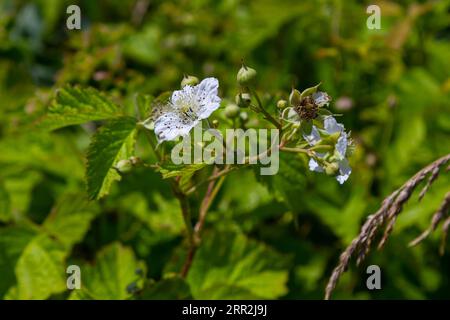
211, 193
267, 115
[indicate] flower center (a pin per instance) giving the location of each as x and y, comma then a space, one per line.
186, 109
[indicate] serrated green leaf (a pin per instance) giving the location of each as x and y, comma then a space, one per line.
184, 172
163, 218
74, 105
5, 204
69, 220
13, 241
230, 266
290, 181
43, 151
40, 270
174, 288
113, 142
114, 270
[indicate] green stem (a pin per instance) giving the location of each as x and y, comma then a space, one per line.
186, 212
297, 150
267, 115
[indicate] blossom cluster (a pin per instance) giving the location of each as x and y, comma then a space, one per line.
305, 117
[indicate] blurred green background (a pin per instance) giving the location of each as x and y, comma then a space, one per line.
277, 237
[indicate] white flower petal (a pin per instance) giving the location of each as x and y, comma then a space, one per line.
206, 97
341, 146
332, 126
314, 166
321, 98
171, 125
313, 137
183, 97
344, 171
292, 116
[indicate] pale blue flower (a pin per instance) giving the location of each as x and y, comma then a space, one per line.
331, 126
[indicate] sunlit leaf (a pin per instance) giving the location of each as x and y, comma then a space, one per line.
230, 266
74, 105
113, 142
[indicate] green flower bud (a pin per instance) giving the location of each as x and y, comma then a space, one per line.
246, 75
331, 168
124, 166
243, 99
281, 104
295, 97
189, 81
215, 123
244, 116
231, 111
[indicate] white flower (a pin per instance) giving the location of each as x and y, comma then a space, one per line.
186, 108
320, 99
331, 126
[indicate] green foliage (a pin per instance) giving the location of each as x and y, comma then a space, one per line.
113, 142
183, 172
108, 279
70, 219
166, 289
265, 237
230, 266
38, 270
74, 105
4, 205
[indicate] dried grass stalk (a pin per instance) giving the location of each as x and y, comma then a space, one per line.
387, 215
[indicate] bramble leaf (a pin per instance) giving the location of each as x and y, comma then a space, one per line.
40, 270
184, 172
113, 142
230, 266
70, 219
113, 272
74, 105
13, 240
165, 289
5, 204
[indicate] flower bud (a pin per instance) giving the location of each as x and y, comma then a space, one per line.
243, 99
231, 111
189, 81
331, 168
281, 104
124, 166
244, 116
215, 123
295, 97
246, 75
